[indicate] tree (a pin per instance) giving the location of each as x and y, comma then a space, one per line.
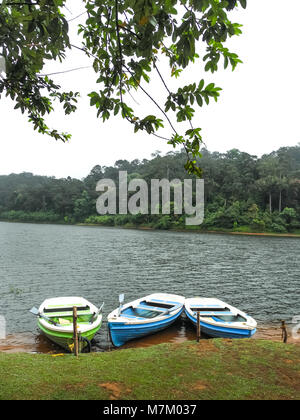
289, 215
239, 171
125, 40
83, 206
32, 32
270, 181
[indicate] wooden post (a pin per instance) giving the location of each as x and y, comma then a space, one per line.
284, 334
198, 327
75, 332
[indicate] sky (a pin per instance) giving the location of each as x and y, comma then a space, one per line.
257, 112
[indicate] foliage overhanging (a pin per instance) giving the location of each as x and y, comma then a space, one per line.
125, 40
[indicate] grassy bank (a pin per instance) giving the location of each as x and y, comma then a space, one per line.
213, 369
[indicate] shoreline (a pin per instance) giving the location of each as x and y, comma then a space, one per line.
222, 232
31, 342
149, 228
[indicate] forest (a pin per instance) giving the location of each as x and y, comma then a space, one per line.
243, 193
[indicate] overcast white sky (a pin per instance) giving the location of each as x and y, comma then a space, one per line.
258, 110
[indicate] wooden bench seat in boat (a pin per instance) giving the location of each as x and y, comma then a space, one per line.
212, 313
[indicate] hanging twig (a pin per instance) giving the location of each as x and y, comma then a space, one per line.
65, 71
152, 99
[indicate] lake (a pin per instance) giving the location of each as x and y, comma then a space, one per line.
259, 275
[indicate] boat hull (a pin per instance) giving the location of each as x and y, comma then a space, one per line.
221, 332
65, 339
120, 332
55, 320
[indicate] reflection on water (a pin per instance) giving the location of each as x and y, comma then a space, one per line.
26, 342
180, 331
259, 275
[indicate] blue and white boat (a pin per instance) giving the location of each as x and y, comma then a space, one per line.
143, 316
218, 319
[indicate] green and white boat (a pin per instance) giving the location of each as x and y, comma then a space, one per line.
55, 320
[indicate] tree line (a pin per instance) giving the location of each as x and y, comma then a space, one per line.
242, 192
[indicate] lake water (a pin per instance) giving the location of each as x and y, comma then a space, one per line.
259, 275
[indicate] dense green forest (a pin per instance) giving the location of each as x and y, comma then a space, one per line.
242, 192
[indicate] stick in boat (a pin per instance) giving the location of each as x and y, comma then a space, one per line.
75, 333
121, 300
96, 314
35, 311
198, 327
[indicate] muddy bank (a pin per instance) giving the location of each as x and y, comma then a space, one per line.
28, 342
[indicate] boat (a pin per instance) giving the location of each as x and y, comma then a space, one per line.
55, 320
143, 316
218, 319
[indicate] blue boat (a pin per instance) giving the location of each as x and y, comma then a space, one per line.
144, 316
218, 319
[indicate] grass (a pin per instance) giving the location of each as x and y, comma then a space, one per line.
214, 369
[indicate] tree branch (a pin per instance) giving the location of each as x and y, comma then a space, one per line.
76, 17
22, 4
120, 64
153, 100
65, 71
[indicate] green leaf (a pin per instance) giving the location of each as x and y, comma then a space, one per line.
199, 100
153, 21
210, 86
201, 84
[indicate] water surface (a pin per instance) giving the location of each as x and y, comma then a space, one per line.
259, 275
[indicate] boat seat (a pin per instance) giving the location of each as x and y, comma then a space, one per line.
63, 314
131, 316
211, 313
164, 301
207, 306
150, 308
170, 308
